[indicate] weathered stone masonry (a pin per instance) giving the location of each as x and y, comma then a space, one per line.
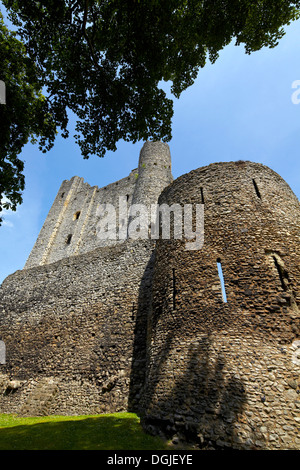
94, 326
74, 323
226, 371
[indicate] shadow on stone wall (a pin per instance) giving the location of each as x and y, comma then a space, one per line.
138, 366
202, 403
192, 391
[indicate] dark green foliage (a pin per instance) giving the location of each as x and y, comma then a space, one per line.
24, 116
104, 60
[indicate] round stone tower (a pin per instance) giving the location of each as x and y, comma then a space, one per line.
223, 335
154, 173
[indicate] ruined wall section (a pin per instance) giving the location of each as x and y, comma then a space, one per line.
48, 233
74, 333
71, 225
227, 371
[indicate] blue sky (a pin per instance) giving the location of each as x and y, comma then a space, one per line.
240, 108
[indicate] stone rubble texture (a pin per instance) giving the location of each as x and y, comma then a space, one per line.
97, 326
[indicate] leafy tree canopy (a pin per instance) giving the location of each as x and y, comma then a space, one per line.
104, 60
25, 116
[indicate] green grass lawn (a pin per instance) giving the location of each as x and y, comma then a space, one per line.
119, 431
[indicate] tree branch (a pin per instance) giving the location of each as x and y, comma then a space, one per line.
86, 36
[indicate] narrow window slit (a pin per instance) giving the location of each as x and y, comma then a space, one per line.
220, 271
68, 240
280, 273
76, 215
202, 196
174, 288
256, 189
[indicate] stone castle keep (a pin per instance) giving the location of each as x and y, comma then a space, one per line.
97, 326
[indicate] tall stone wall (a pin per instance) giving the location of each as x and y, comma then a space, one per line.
94, 325
74, 320
74, 332
225, 369
72, 225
